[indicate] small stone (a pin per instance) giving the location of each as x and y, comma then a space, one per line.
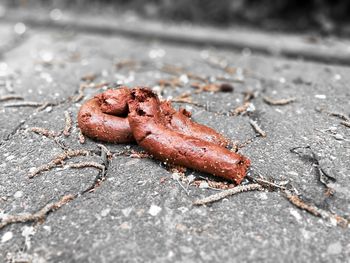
105, 212
154, 210
320, 96
335, 248
18, 194
20, 28
184, 79
6, 237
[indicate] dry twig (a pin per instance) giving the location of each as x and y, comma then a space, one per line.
274, 102
212, 87
68, 124
339, 115
257, 128
229, 192
39, 215
10, 97
346, 123
45, 132
58, 160
81, 137
23, 104
89, 77
314, 210
86, 164
241, 109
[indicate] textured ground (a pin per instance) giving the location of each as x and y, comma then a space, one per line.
141, 212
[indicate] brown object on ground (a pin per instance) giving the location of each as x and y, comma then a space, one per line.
150, 131
95, 119
101, 126
180, 121
115, 102
169, 135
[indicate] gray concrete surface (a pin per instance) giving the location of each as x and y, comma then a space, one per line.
115, 222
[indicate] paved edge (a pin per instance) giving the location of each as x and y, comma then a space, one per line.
335, 51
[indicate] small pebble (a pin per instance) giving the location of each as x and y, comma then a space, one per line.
18, 194
105, 212
6, 237
320, 96
335, 248
154, 210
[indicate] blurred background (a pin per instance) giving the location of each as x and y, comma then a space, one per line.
323, 16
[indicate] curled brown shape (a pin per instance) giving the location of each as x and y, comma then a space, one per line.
115, 102
101, 126
180, 121
167, 145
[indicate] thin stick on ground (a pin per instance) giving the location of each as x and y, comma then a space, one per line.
39, 215
44, 132
81, 94
257, 128
10, 97
265, 183
229, 192
58, 160
105, 150
23, 104
314, 210
346, 123
339, 115
68, 124
86, 164
81, 137
274, 102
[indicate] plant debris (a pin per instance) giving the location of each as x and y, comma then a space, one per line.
340, 115
90, 77
346, 123
58, 160
271, 101
257, 128
44, 132
212, 87
229, 192
241, 109
38, 216
81, 137
11, 97
314, 210
172, 82
68, 124
86, 164
23, 104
